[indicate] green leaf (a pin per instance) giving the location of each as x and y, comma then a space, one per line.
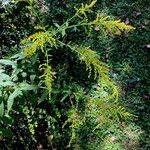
18, 92
24, 74
26, 87
1, 70
4, 76
11, 98
18, 56
1, 107
64, 97
6, 132
7, 83
43, 97
7, 120
57, 25
66, 24
63, 33
8, 62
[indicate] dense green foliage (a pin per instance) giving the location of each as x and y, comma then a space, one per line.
61, 73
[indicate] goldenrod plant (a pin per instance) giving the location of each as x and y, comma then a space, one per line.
39, 75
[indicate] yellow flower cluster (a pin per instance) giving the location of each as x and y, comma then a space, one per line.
38, 40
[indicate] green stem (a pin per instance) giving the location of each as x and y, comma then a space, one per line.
68, 20
73, 26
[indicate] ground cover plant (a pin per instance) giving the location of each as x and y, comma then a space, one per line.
58, 90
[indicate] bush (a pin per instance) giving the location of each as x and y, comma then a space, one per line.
55, 91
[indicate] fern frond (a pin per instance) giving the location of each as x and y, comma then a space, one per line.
38, 40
